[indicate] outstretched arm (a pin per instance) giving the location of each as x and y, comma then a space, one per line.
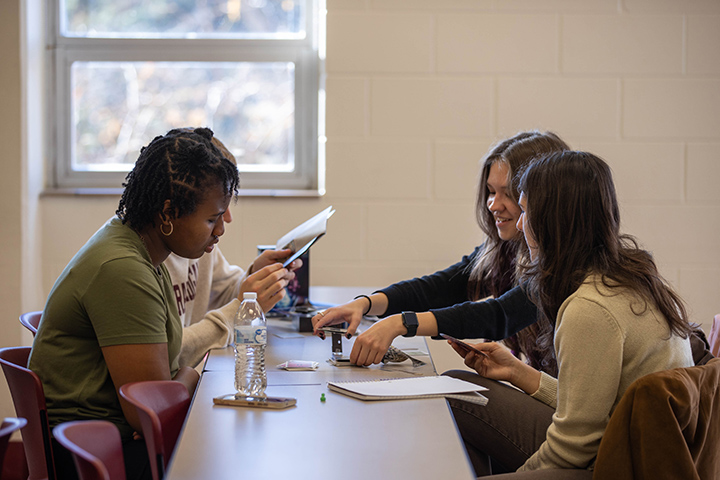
351, 312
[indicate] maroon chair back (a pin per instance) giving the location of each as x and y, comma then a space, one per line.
7, 428
162, 406
96, 448
31, 321
29, 399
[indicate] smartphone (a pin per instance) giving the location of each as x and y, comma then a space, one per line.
237, 400
464, 345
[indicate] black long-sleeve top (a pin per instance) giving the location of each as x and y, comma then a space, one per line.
445, 294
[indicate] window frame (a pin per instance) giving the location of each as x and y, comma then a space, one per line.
305, 53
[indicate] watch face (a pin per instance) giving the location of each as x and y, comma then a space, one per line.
411, 319
410, 322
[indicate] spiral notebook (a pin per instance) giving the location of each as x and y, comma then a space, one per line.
411, 388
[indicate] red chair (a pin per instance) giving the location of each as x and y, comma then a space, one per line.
162, 406
7, 428
96, 448
31, 321
29, 399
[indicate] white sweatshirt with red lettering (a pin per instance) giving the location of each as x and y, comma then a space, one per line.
206, 291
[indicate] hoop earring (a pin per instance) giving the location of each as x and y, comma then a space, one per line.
170, 232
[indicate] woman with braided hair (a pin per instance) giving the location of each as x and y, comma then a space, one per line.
111, 317
209, 290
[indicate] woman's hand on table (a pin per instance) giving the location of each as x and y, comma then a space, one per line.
351, 312
372, 345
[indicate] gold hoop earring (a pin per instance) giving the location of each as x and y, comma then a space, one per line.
170, 232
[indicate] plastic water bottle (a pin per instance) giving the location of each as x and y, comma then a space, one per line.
250, 341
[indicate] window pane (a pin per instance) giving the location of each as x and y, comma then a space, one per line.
118, 106
183, 18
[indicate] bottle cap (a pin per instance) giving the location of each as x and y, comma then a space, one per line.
250, 296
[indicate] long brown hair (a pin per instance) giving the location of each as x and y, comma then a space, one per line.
493, 270
574, 217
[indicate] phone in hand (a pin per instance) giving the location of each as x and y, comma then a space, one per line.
237, 400
464, 345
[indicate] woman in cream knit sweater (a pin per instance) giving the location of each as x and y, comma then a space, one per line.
615, 320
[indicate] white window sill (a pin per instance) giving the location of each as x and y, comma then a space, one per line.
81, 192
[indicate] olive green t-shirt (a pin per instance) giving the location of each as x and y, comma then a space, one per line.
109, 294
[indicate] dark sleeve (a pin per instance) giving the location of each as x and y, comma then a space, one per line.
441, 289
493, 319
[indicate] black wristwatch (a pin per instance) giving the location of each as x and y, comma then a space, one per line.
410, 322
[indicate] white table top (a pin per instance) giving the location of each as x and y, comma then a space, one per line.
286, 343
341, 438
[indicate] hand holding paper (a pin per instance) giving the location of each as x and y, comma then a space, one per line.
303, 236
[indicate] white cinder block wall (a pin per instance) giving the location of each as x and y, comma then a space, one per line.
417, 91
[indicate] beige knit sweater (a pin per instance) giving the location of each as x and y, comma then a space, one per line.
604, 340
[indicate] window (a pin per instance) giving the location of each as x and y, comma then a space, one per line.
128, 70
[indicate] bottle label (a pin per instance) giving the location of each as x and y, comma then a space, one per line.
250, 335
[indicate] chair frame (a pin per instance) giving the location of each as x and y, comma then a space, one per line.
8, 426
158, 403
31, 407
31, 321
95, 446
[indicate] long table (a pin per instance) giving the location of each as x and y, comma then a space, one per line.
340, 438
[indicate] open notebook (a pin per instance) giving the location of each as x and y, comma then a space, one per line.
410, 388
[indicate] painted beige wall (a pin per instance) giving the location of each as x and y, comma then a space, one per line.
417, 91
10, 186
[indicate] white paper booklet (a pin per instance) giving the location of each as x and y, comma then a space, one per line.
300, 238
412, 387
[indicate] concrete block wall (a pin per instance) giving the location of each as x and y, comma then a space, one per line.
418, 90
